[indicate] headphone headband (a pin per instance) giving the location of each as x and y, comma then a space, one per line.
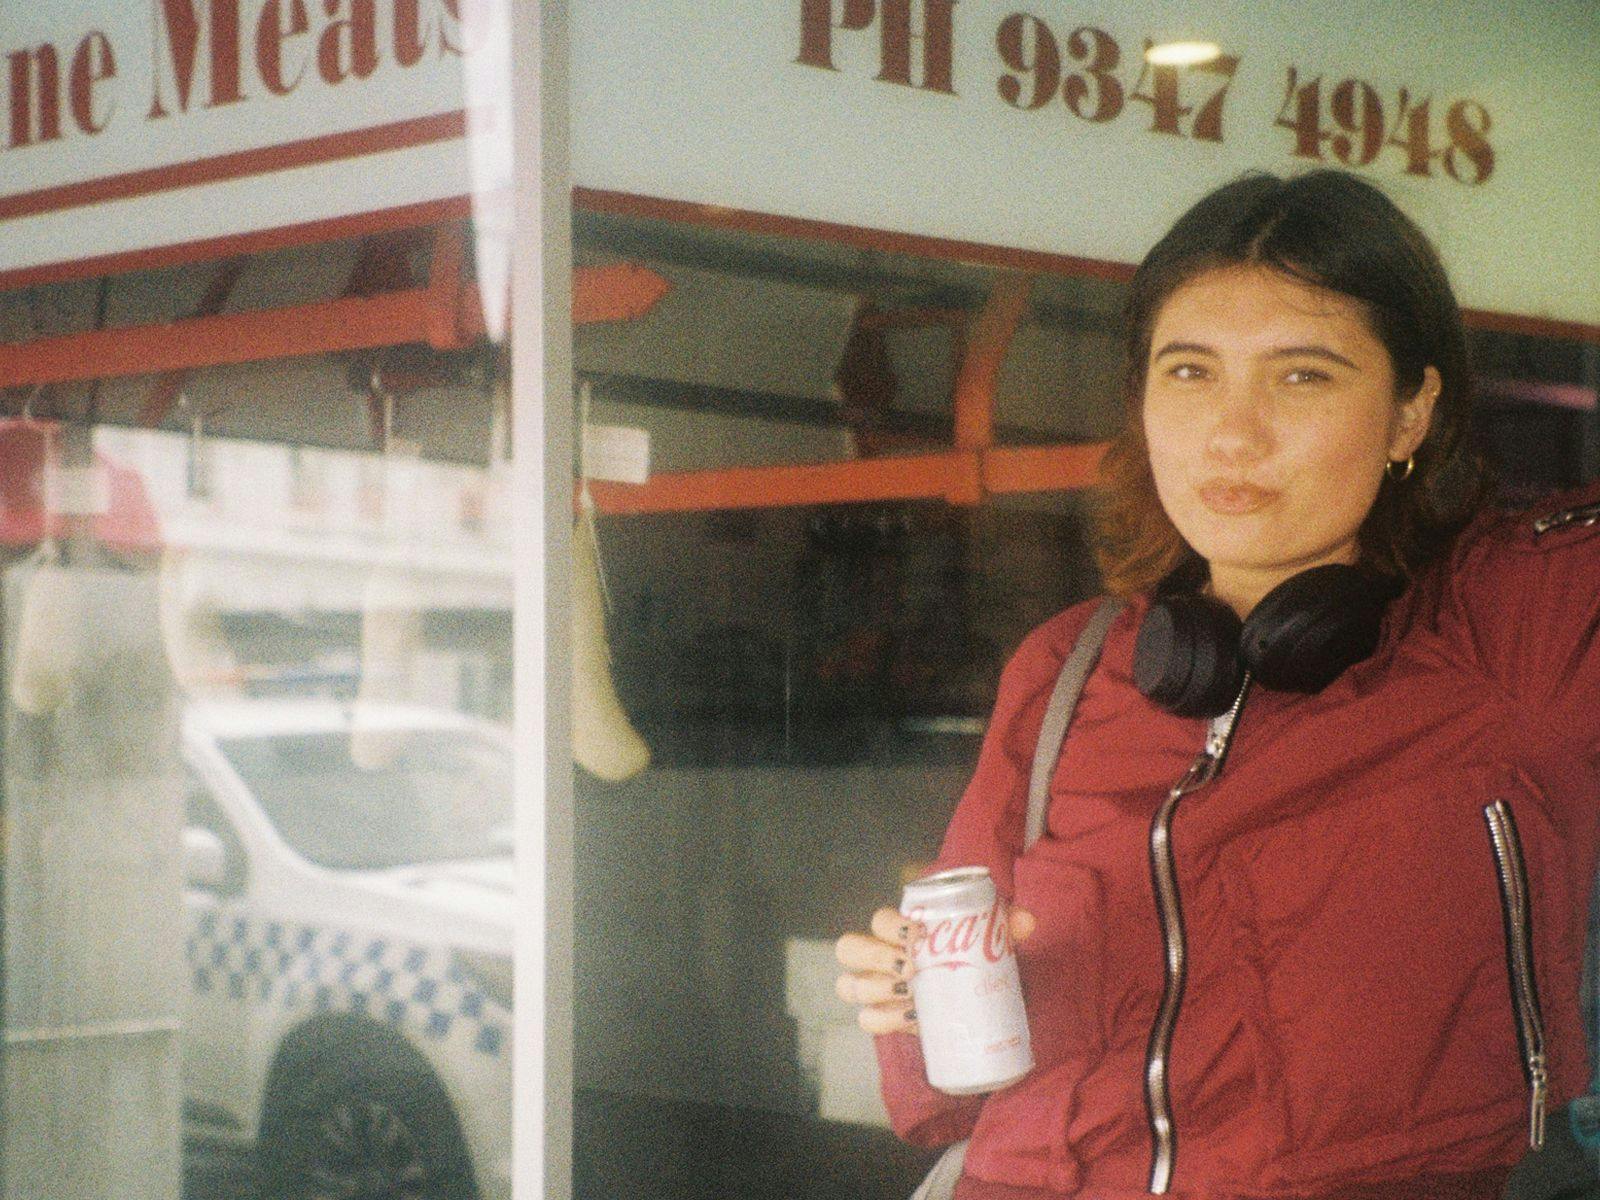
1192, 650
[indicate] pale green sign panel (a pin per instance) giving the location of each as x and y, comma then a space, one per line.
1040, 126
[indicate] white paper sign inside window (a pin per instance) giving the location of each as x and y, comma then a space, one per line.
618, 453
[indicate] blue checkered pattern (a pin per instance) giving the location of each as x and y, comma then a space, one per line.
319, 969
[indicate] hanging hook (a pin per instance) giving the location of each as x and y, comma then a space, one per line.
385, 398
199, 466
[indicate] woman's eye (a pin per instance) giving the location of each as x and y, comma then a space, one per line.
1305, 375
1187, 371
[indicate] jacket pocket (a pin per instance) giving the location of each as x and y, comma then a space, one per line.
1022, 1135
1511, 873
1062, 961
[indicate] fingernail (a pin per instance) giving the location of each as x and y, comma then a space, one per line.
901, 989
911, 1016
899, 966
905, 932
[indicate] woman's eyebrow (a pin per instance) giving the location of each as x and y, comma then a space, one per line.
1313, 351
1182, 348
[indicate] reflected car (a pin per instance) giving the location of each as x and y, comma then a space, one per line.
348, 893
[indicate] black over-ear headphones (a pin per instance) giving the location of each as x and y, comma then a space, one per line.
1193, 650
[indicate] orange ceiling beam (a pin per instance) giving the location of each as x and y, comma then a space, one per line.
326, 327
615, 293
988, 338
1009, 469
948, 475
445, 314
974, 469
956, 476
445, 290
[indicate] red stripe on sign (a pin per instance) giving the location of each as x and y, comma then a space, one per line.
259, 241
888, 240
241, 164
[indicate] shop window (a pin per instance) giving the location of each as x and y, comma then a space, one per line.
812, 678
256, 629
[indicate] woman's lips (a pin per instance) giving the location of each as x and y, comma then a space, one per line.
1234, 499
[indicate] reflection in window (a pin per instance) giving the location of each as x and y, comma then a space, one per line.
445, 794
204, 570
811, 679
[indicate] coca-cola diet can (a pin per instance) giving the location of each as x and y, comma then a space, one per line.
965, 990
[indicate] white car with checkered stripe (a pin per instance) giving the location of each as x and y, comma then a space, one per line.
349, 905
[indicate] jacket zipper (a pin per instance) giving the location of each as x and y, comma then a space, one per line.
1589, 514
1169, 908
1512, 874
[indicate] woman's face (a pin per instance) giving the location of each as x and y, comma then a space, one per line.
1270, 412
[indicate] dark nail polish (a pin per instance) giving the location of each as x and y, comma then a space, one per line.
901, 989
911, 1015
899, 966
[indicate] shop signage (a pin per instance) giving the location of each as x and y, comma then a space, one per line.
1042, 124
1039, 125
131, 123
1096, 79
75, 89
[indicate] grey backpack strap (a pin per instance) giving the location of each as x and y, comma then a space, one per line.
1058, 714
940, 1183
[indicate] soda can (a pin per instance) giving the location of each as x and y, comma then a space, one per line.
966, 992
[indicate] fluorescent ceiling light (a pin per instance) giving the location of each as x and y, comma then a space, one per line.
1182, 54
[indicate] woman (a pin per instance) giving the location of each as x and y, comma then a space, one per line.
1348, 964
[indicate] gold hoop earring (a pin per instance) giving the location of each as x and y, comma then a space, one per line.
1402, 475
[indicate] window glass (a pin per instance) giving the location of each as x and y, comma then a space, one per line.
444, 795
256, 601
256, 609
812, 679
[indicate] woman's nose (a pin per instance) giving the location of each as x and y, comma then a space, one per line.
1240, 430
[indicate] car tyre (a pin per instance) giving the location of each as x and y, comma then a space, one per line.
347, 1124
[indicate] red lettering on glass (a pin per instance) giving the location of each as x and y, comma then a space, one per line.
180, 26
348, 45
896, 37
93, 63
1360, 131
817, 26
35, 89
271, 35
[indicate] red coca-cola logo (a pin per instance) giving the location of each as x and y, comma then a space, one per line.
950, 942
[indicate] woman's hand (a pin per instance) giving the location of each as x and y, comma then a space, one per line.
878, 970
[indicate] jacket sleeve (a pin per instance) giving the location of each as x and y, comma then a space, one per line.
986, 830
1526, 600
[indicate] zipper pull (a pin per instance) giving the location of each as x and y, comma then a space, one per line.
1220, 732
1536, 1106
1589, 514
1217, 736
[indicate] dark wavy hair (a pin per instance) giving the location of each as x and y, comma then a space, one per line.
1335, 231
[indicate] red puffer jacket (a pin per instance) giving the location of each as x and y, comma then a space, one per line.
1368, 999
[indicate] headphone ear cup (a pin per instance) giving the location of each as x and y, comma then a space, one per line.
1308, 629
1186, 657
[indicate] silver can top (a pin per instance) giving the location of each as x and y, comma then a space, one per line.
966, 885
